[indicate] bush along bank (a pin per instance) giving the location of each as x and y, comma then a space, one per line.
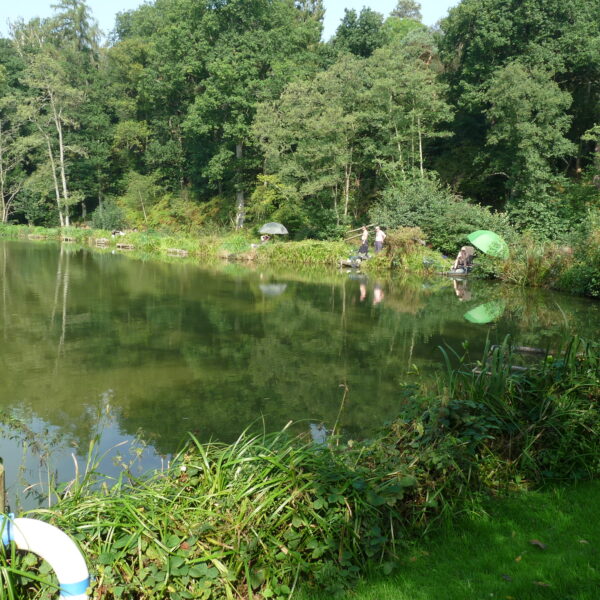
570, 268
144, 242
402, 252
257, 518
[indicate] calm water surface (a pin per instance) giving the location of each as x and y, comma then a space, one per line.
96, 344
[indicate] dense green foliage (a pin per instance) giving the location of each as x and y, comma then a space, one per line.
196, 113
445, 217
256, 516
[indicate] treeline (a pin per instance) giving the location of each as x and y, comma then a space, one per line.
198, 114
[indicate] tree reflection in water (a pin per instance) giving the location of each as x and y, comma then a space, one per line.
186, 349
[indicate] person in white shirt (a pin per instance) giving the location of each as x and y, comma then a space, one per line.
379, 239
364, 241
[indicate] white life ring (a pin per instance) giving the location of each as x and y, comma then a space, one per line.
55, 547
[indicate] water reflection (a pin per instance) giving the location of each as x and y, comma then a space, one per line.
186, 349
318, 433
378, 294
461, 288
272, 289
485, 313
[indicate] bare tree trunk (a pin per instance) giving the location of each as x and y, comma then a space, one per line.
398, 144
412, 142
7, 194
54, 178
347, 176
597, 164
99, 188
335, 204
61, 156
420, 146
239, 194
2, 177
399, 147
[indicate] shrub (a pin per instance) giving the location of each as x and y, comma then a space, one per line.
583, 279
542, 263
543, 220
108, 216
273, 200
584, 276
445, 218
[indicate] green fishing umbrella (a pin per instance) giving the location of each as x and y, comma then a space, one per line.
489, 242
485, 313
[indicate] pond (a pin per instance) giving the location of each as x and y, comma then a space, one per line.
135, 354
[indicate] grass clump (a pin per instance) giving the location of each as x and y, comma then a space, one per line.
307, 252
573, 268
249, 519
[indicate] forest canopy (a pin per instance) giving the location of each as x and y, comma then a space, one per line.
195, 114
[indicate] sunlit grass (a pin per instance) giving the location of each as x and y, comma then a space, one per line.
491, 555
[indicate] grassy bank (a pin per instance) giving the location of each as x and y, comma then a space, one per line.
404, 255
534, 264
260, 517
493, 553
574, 269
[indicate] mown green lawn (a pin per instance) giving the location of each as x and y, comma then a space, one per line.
492, 556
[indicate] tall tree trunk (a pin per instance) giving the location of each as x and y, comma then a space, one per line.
239, 194
54, 178
347, 176
61, 157
420, 146
399, 147
597, 164
7, 193
3, 206
99, 187
412, 142
335, 204
396, 133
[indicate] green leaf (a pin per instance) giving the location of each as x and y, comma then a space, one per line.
107, 558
